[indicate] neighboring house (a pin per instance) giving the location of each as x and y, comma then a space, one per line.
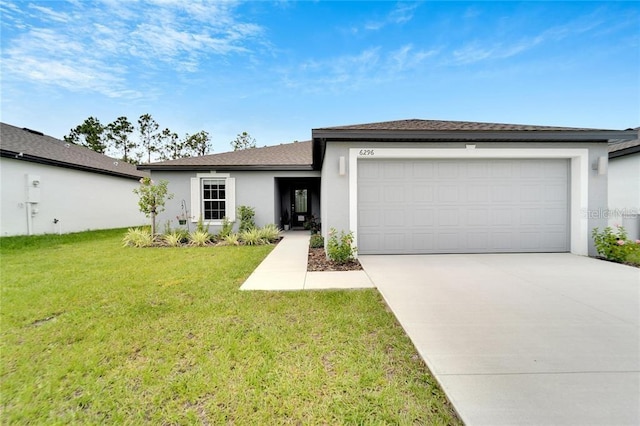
624, 185
414, 186
50, 186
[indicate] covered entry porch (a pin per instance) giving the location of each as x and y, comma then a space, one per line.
297, 201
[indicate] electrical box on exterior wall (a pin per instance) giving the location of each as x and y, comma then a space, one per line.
33, 189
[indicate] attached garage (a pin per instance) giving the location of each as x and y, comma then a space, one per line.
431, 186
463, 206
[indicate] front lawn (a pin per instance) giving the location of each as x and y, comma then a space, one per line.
93, 332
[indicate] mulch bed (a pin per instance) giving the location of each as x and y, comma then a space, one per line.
318, 261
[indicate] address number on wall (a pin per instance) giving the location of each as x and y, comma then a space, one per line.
366, 152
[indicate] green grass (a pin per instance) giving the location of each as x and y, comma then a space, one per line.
93, 332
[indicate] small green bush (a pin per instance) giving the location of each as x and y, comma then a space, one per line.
200, 226
616, 246
339, 248
252, 237
317, 241
269, 233
199, 238
173, 239
246, 215
230, 240
227, 228
138, 237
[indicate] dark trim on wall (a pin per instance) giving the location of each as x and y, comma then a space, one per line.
32, 159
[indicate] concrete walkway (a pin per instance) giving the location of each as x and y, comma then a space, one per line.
285, 268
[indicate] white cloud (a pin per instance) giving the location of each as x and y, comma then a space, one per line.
99, 44
351, 72
51, 14
401, 13
477, 51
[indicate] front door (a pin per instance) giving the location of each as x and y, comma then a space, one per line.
300, 208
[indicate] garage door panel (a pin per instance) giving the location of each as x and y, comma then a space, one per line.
422, 193
448, 217
478, 194
422, 217
557, 193
422, 169
395, 218
478, 170
477, 240
447, 170
422, 241
477, 217
462, 206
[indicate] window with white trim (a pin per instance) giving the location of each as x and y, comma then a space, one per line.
213, 197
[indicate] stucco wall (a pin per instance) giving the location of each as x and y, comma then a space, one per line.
624, 193
335, 188
256, 189
79, 200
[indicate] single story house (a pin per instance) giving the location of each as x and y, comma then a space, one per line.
414, 186
50, 186
624, 185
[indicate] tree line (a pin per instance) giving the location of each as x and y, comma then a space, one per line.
136, 144
117, 139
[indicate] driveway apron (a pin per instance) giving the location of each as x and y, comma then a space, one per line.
544, 339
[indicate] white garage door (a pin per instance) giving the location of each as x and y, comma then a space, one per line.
462, 206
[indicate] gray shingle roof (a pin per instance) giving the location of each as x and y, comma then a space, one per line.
28, 145
290, 156
619, 148
440, 125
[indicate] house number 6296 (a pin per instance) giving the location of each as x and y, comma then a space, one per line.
366, 152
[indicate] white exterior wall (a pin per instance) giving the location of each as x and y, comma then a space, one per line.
624, 193
256, 189
79, 200
338, 194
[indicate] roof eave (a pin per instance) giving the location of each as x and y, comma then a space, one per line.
47, 161
623, 152
199, 167
494, 135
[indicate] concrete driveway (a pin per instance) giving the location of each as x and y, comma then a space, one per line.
522, 338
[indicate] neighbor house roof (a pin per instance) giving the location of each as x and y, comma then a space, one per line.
416, 130
619, 148
290, 156
29, 145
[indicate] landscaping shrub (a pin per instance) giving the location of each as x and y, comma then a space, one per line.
173, 239
251, 237
616, 245
246, 215
200, 226
199, 238
339, 248
317, 241
138, 237
230, 240
269, 233
227, 228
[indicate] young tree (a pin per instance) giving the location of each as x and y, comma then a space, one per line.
169, 145
197, 144
118, 133
148, 128
90, 134
243, 141
152, 199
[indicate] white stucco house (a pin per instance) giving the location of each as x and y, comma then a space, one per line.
624, 185
50, 186
414, 186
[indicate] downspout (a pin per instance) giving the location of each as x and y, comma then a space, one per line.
29, 219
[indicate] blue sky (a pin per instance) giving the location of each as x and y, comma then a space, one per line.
279, 69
